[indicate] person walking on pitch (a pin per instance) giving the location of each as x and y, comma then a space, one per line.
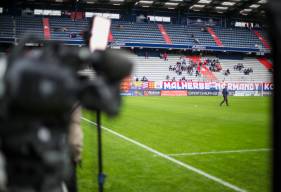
225, 96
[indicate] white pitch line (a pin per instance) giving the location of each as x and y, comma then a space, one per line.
187, 166
220, 152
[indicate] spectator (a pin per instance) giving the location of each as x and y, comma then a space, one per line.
197, 73
60, 29
72, 35
170, 68
196, 41
146, 55
183, 61
144, 78
81, 33
64, 29
56, 29
238, 67
120, 27
228, 72
167, 77
183, 78
165, 56
248, 71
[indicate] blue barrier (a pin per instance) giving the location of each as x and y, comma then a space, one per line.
190, 47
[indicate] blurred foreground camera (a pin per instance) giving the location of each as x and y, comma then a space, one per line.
38, 89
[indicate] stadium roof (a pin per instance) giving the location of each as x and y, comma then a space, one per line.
227, 7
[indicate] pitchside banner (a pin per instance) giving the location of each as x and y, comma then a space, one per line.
168, 85
139, 85
152, 93
174, 93
202, 86
203, 93
267, 86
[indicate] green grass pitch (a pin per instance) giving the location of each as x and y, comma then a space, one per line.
185, 126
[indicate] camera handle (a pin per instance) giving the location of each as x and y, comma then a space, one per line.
101, 175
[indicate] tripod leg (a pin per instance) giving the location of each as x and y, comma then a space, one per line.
101, 175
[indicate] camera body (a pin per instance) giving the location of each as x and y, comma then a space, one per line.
38, 90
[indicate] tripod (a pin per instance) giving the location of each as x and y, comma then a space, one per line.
101, 175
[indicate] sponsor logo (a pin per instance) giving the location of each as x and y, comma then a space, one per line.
203, 93
200, 47
246, 93
267, 86
267, 93
173, 93
137, 93
151, 93
126, 94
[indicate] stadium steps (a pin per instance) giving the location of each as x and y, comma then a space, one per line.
265, 62
46, 28
208, 74
215, 37
262, 39
264, 34
164, 34
110, 37
204, 70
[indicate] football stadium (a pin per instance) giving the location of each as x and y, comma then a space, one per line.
170, 95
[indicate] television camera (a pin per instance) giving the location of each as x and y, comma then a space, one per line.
38, 90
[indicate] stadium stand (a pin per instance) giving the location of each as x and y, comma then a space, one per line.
260, 73
69, 31
156, 69
63, 28
30, 25
125, 32
7, 33
181, 34
262, 37
237, 37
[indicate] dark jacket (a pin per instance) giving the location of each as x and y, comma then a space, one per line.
224, 92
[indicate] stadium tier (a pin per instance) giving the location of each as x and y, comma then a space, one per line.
124, 32
185, 35
157, 69
7, 33
62, 28
151, 35
237, 37
28, 25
